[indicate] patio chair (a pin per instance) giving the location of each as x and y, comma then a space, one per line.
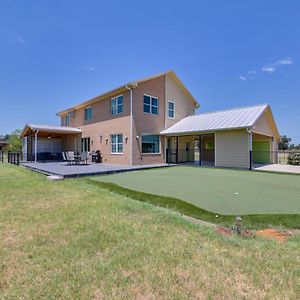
64, 155
70, 157
84, 157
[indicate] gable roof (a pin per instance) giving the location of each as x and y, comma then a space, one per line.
124, 88
235, 118
49, 128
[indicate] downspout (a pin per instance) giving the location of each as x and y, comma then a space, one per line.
131, 124
35, 145
250, 147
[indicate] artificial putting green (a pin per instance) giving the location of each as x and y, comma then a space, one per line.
224, 191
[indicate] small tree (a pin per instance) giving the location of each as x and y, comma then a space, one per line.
14, 141
284, 142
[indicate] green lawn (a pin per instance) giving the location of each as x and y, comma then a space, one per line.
74, 240
224, 191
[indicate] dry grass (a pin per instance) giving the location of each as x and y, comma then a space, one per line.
70, 240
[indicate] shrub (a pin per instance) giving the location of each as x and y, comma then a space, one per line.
294, 159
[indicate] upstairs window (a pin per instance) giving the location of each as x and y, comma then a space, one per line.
117, 105
150, 105
88, 113
150, 143
67, 120
171, 109
117, 143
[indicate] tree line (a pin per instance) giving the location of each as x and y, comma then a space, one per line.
14, 142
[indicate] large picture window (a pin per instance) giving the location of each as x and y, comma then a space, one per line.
117, 105
88, 113
150, 143
150, 105
117, 143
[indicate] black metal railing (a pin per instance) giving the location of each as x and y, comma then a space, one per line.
45, 156
179, 156
14, 158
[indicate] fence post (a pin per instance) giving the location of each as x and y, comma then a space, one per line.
250, 156
200, 149
167, 155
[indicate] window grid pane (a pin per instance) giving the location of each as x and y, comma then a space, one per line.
117, 105
117, 143
150, 105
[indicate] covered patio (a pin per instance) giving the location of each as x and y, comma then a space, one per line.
43, 143
198, 149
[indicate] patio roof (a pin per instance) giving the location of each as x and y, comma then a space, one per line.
2, 142
230, 119
50, 129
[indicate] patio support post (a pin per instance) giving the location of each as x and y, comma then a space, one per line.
200, 148
176, 149
35, 145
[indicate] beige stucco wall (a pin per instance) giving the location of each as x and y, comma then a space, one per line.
104, 124
144, 123
183, 105
100, 135
232, 149
101, 112
263, 126
266, 127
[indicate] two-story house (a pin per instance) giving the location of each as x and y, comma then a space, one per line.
153, 121
124, 124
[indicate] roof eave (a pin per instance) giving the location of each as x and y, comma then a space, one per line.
203, 131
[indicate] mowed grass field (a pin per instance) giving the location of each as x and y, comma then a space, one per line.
224, 191
73, 240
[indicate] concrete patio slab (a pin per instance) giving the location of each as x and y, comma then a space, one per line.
279, 168
67, 171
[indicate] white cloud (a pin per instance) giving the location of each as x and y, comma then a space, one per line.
286, 61
90, 68
242, 78
269, 70
18, 39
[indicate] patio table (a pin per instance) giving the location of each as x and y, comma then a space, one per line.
77, 158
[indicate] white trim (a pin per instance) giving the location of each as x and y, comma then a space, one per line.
150, 105
35, 145
116, 97
169, 101
117, 143
141, 143
87, 107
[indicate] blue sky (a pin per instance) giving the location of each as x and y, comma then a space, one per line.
54, 54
